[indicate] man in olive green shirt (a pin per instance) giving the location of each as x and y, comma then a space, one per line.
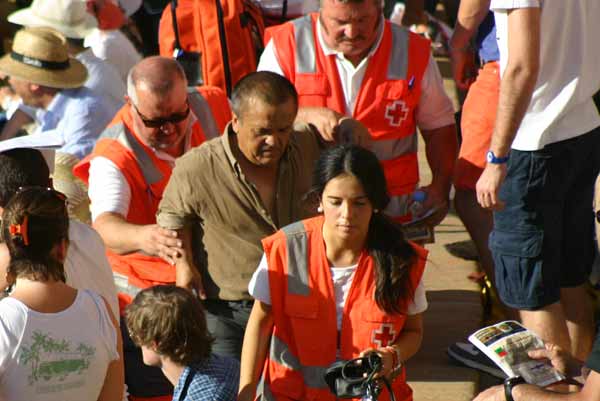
229, 193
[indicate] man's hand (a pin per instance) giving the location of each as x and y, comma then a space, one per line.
325, 120
157, 241
560, 359
437, 200
488, 186
464, 69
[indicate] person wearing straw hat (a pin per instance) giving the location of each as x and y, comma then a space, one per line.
46, 78
70, 18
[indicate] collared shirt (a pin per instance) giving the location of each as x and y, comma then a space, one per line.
103, 78
209, 192
435, 109
79, 115
215, 379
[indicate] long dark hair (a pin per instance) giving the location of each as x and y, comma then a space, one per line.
393, 255
34, 221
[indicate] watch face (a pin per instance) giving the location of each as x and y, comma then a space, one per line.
490, 156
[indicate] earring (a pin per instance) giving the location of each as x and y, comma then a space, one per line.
319, 209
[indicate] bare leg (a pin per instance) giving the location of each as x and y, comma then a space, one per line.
579, 315
549, 323
479, 223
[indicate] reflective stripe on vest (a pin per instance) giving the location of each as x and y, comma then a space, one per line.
306, 58
297, 247
388, 149
124, 286
121, 134
263, 391
313, 376
201, 110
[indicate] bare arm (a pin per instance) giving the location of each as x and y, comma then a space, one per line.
470, 15
254, 350
187, 273
441, 148
123, 237
113, 388
528, 392
16, 122
516, 89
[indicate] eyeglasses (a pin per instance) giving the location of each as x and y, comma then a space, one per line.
174, 118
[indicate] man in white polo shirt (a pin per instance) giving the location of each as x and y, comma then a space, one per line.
542, 163
347, 60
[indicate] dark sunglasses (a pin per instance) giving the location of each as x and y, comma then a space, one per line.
174, 118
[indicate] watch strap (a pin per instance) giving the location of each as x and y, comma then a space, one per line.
511, 383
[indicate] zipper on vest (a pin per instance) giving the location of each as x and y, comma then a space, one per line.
224, 51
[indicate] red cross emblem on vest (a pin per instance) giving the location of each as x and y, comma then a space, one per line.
396, 113
384, 335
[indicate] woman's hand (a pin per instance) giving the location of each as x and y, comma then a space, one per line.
388, 357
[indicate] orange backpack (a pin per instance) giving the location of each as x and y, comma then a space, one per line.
227, 34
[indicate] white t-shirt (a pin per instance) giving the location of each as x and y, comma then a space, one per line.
108, 189
342, 281
86, 265
561, 106
55, 356
435, 109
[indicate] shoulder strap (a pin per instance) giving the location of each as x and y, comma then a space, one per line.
175, 26
186, 385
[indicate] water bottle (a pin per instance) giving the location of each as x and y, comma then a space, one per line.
418, 199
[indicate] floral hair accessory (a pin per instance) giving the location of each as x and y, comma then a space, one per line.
20, 230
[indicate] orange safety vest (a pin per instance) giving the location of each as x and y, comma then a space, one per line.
147, 176
228, 35
305, 335
385, 104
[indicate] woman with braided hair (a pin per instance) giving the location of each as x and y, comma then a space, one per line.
56, 343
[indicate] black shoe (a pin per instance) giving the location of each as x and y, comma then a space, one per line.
469, 355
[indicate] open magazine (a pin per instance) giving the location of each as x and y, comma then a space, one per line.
506, 343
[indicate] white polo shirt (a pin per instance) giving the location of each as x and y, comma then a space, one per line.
561, 106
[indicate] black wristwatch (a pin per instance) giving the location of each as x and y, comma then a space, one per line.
509, 384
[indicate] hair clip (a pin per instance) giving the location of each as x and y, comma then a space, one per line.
16, 230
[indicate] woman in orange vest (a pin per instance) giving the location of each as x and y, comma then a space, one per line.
334, 287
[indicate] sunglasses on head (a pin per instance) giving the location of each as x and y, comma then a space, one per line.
174, 118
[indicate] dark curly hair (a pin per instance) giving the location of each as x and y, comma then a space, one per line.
172, 322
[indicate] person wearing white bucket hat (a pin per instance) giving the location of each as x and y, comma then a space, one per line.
114, 46
71, 18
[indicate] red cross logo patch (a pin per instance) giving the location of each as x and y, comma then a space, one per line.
383, 336
396, 113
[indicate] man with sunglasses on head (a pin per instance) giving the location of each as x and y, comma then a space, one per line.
127, 173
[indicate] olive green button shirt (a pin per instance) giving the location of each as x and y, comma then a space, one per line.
209, 192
